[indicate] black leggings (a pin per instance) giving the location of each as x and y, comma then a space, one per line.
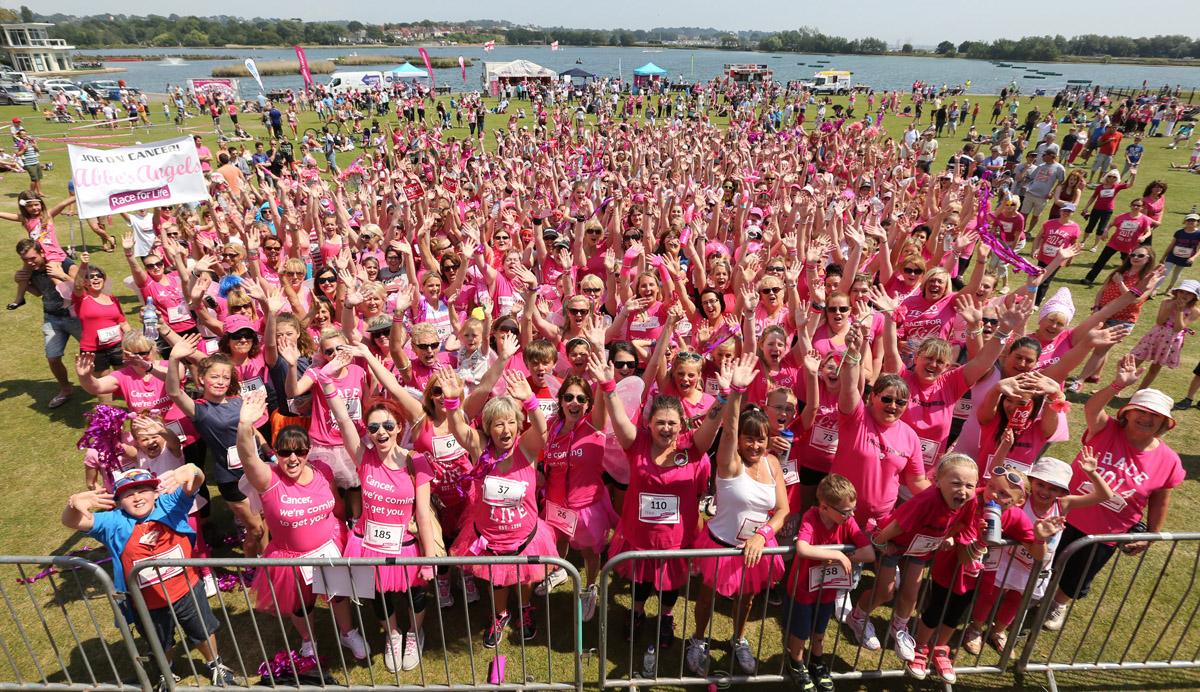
642, 591
1097, 222
396, 602
944, 607
1105, 255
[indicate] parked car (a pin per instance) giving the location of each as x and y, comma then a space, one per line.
12, 76
103, 88
16, 95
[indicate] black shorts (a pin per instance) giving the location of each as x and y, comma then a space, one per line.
195, 618
1196, 372
805, 619
1081, 568
944, 608
811, 477
230, 491
108, 358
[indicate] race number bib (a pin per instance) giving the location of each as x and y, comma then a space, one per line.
824, 438
252, 384
651, 322
353, 407
1182, 252
233, 461
963, 408
991, 560
150, 577
548, 407
328, 549
1050, 250
929, 450
923, 544
108, 335
791, 475
503, 492
750, 525
830, 576
178, 313
658, 509
386, 538
445, 447
562, 518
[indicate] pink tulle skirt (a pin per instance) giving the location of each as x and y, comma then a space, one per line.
729, 575
592, 524
285, 588
671, 573
389, 578
542, 544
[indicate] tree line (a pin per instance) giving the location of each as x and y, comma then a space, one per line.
1049, 48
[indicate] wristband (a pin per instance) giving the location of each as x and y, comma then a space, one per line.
740, 389
1136, 293
1116, 387
451, 403
975, 332
765, 531
608, 386
530, 405
1001, 336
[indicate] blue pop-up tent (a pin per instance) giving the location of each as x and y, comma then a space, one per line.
646, 75
408, 71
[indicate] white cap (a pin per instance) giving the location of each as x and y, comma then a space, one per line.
1056, 472
1153, 401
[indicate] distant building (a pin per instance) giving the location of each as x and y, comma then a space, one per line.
30, 49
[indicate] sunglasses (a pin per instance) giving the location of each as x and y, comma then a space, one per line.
577, 312
140, 354
331, 350
243, 335
229, 255
594, 231
772, 290
914, 271
288, 453
293, 273
499, 237
382, 334
689, 355
387, 425
1006, 474
625, 364
272, 248
593, 291
327, 279
243, 306
435, 391
990, 321
152, 265
427, 347
632, 237
574, 398
889, 400
777, 270
837, 308
95, 275
1139, 255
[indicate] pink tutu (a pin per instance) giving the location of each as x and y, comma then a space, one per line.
729, 575
592, 524
541, 544
389, 578
671, 573
290, 590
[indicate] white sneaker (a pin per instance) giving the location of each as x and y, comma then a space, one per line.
904, 644
210, 585
393, 651
414, 646
307, 649
587, 603
445, 595
696, 656
1055, 617
471, 589
864, 632
551, 582
743, 655
842, 607
353, 640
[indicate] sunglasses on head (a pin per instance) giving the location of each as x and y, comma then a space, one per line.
574, 398
387, 425
1006, 474
624, 364
426, 347
889, 400
689, 355
287, 453
837, 308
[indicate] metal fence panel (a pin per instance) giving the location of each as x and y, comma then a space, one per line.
62, 627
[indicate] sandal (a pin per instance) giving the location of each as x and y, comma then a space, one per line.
109, 245
998, 640
58, 400
972, 641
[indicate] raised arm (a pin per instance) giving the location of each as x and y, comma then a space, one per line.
604, 374
258, 472
182, 350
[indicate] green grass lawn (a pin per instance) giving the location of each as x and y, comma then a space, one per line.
41, 466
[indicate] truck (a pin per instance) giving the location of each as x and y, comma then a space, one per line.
831, 82
361, 81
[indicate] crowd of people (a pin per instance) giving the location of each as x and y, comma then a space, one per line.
556, 346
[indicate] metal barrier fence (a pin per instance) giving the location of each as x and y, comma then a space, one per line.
248, 637
66, 630
59, 597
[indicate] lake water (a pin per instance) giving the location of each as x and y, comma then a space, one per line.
881, 72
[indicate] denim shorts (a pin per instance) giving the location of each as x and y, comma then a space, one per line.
56, 330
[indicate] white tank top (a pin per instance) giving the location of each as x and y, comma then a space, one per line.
743, 505
1015, 563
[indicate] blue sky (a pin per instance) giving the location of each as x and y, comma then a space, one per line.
919, 22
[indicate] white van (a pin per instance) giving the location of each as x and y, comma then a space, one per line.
348, 81
830, 82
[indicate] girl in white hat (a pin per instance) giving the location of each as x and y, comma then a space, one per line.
1163, 343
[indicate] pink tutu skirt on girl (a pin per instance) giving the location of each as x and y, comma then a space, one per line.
389, 578
542, 544
729, 575
666, 574
592, 525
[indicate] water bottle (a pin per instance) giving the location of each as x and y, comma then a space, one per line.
650, 662
150, 321
991, 518
788, 437
1020, 417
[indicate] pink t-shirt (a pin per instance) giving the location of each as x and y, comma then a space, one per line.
788, 375
573, 462
918, 318
814, 532
931, 410
661, 510
1056, 348
505, 512
44, 234
874, 458
388, 501
925, 521
648, 324
1056, 235
1012, 228
1128, 230
323, 428
169, 302
1131, 474
1026, 448
300, 516
815, 447
149, 393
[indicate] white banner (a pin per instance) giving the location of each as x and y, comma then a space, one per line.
110, 181
253, 70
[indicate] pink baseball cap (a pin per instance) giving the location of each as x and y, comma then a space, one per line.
236, 323
757, 210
